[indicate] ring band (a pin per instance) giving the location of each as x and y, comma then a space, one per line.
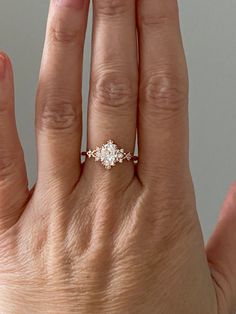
109, 155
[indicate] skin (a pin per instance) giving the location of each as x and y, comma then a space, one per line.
126, 240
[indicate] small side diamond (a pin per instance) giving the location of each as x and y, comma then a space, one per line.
90, 154
120, 155
97, 154
110, 142
107, 164
128, 156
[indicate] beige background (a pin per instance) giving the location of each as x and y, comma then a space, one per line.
209, 31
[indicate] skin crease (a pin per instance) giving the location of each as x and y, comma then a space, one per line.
128, 240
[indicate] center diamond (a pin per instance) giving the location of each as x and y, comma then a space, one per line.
109, 154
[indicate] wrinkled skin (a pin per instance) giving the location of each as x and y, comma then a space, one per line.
126, 240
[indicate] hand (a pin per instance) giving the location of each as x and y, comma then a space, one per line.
126, 240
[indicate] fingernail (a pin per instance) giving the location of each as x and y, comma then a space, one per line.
2, 67
76, 4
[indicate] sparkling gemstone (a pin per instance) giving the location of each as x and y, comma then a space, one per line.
109, 154
90, 154
98, 154
128, 156
120, 156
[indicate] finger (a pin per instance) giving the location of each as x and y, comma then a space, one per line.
13, 178
163, 95
222, 254
113, 89
59, 94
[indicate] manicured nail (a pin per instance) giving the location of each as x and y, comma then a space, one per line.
76, 4
2, 67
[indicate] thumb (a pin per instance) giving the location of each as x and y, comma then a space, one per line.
221, 252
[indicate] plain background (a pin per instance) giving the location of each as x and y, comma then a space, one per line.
209, 32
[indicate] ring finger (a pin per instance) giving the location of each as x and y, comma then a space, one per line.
113, 88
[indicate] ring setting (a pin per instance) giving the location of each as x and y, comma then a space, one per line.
110, 155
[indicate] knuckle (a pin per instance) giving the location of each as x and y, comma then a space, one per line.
222, 282
151, 20
62, 34
180, 221
110, 7
181, 225
113, 91
4, 109
163, 18
8, 166
165, 95
59, 115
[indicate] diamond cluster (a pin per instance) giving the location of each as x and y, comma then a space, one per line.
109, 154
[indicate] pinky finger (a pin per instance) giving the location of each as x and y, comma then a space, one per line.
13, 179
